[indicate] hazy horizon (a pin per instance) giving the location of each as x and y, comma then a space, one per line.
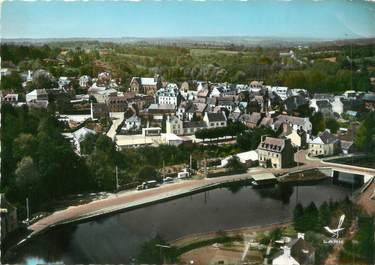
268, 19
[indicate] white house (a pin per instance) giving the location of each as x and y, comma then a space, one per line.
79, 136
11, 98
63, 81
214, 120
325, 144
84, 81
132, 123
174, 125
285, 258
219, 90
297, 123
248, 158
37, 94
282, 91
256, 87
172, 139
168, 95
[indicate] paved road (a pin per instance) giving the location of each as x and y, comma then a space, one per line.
133, 198
302, 157
117, 119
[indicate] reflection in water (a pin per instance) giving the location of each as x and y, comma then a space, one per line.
235, 187
51, 245
117, 238
281, 192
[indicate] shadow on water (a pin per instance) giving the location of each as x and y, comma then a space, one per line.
236, 187
50, 246
281, 192
117, 238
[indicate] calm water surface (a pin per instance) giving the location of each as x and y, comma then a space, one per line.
117, 238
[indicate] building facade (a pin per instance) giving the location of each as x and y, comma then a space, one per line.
275, 153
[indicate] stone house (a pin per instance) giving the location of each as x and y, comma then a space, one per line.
145, 85
325, 144
174, 125
214, 120
275, 153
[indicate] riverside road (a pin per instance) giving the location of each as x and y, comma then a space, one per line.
129, 199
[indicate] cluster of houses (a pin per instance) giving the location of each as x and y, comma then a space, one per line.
179, 111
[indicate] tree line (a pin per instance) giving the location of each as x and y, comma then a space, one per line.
39, 163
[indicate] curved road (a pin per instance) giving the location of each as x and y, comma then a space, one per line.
128, 199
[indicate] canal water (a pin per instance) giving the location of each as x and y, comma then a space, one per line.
117, 238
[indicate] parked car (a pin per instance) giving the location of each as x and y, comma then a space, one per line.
183, 174
147, 185
168, 180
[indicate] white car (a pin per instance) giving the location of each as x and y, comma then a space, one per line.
168, 180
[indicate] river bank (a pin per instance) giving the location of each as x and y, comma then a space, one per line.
128, 200
229, 207
196, 238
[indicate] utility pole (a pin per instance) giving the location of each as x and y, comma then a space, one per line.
205, 167
163, 169
117, 185
27, 211
191, 162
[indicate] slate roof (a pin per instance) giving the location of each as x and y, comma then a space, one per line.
200, 107
323, 104
81, 133
272, 144
216, 117
255, 117
234, 116
327, 137
292, 119
301, 250
346, 145
266, 121
211, 101
294, 102
133, 118
245, 117
194, 124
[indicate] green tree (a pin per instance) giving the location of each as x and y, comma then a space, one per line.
24, 145
298, 213
11, 82
332, 125
324, 214
311, 218
147, 173
234, 163
318, 123
27, 179
152, 253
365, 135
102, 162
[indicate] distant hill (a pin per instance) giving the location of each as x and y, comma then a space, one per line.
209, 41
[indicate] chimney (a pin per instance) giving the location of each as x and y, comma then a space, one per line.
29, 75
91, 111
301, 235
285, 127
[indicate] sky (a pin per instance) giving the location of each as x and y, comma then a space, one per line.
322, 19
